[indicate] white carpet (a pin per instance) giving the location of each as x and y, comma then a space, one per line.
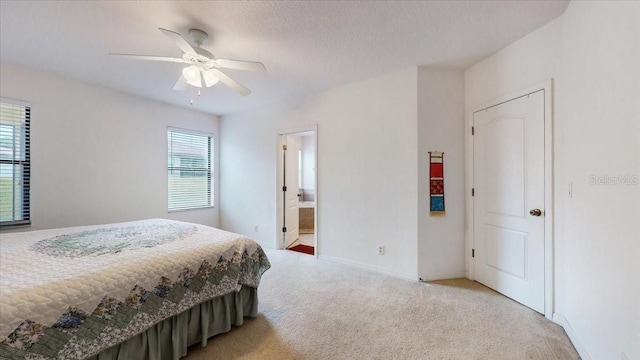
312, 309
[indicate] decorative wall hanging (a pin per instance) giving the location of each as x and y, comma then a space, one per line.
436, 180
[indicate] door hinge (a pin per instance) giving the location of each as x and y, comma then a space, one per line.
284, 229
473, 253
473, 192
284, 188
284, 147
473, 130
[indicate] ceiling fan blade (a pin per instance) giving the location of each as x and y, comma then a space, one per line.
236, 86
181, 84
241, 65
148, 57
180, 41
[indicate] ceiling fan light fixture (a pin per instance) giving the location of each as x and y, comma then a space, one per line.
209, 78
192, 74
196, 83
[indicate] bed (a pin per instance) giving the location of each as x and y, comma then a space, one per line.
136, 290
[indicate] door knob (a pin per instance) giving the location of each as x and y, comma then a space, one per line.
535, 212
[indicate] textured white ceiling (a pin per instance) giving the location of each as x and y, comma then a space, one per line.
306, 46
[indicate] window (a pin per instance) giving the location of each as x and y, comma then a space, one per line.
190, 164
14, 163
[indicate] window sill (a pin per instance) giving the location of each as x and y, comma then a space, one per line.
16, 225
192, 209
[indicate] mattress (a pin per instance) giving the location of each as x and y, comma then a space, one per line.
70, 293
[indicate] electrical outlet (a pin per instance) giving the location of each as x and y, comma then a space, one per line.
255, 228
380, 249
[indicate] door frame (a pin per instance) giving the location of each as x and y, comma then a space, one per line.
547, 86
278, 189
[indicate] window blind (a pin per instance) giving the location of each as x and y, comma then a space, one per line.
190, 165
15, 168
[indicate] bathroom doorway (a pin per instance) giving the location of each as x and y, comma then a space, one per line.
297, 190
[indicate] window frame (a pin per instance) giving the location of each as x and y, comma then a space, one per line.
210, 170
26, 167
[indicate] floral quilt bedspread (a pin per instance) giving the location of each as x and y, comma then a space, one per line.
70, 293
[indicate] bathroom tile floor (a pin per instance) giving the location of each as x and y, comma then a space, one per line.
306, 239
303, 239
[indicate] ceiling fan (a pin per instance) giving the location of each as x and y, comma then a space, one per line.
203, 67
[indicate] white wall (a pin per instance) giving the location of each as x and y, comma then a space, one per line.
367, 188
308, 163
441, 240
592, 54
97, 155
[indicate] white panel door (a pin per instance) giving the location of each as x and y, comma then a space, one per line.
508, 177
292, 214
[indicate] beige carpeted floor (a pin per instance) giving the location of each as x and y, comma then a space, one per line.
312, 309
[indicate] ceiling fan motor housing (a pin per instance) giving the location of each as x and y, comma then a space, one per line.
198, 36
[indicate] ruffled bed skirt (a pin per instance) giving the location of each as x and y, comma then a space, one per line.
169, 339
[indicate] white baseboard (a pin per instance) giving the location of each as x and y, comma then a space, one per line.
368, 267
433, 277
562, 321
